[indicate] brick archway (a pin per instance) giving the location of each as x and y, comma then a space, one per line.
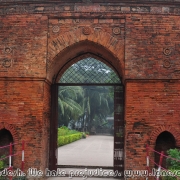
62, 48
11, 129
16, 147
161, 129
67, 56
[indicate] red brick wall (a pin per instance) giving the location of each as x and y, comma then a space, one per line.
22, 107
149, 106
23, 71
152, 47
140, 41
23, 46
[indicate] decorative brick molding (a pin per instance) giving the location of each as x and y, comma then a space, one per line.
86, 30
104, 40
45, 7
11, 129
161, 129
167, 63
55, 29
167, 51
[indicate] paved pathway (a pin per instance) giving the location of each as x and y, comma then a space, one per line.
92, 151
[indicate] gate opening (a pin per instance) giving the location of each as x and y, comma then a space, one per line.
89, 98
164, 142
88, 110
5, 139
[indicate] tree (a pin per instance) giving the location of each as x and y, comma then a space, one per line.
96, 104
69, 108
97, 101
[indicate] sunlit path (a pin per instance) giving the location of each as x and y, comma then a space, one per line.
92, 151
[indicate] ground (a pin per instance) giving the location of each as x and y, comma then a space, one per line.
92, 151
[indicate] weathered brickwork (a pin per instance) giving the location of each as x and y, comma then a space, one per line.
39, 40
150, 106
21, 107
152, 47
23, 44
45, 125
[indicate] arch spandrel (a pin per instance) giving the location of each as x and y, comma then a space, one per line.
63, 48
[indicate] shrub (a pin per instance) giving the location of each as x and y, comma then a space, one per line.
174, 153
170, 177
70, 138
173, 165
83, 135
62, 131
66, 136
66, 139
2, 164
62, 140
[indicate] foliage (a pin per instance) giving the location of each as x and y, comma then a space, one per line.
84, 104
83, 135
170, 177
174, 153
89, 105
2, 167
62, 131
66, 136
2, 164
3, 178
173, 165
97, 104
63, 140
14, 178
68, 103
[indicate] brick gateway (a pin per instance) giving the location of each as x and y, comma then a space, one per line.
39, 39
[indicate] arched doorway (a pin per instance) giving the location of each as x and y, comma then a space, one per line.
5, 139
164, 142
89, 70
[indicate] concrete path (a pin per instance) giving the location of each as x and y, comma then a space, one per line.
93, 151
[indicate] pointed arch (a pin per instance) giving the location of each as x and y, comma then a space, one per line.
161, 129
164, 142
11, 129
92, 60
81, 48
62, 54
